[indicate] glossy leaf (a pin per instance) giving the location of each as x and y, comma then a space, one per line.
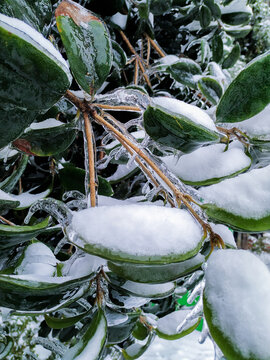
205, 16
156, 274
10, 182
134, 351
119, 333
238, 31
87, 43
214, 7
236, 18
249, 92
210, 88
6, 346
232, 57
176, 130
30, 67
35, 13
217, 48
14, 235
159, 7
46, 141
185, 71
7, 205
64, 322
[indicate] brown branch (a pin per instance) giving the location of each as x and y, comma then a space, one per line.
136, 72
91, 159
155, 46
116, 107
7, 221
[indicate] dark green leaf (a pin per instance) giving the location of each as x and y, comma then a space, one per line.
238, 31
134, 351
215, 9
205, 16
87, 43
210, 88
184, 71
6, 347
121, 332
7, 205
36, 13
217, 48
249, 92
10, 182
64, 322
236, 18
232, 57
159, 7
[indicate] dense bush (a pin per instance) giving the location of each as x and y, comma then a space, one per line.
134, 151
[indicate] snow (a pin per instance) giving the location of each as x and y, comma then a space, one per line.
168, 324
236, 6
225, 233
49, 123
33, 37
193, 113
246, 195
83, 265
237, 290
167, 60
5, 196
144, 229
120, 20
7, 152
186, 348
122, 171
258, 125
38, 259
148, 290
209, 162
26, 199
93, 347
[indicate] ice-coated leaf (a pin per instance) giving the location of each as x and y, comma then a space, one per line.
7, 202
90, 345
185, 71
249, 92
179, 125
34, 75
36, 292
236, 299
46, 138
13, 235
153, 291
237, 12
232, 57
156, 274
167, 325
238, 31
6, 345
217, 48
135, 350
26, 199
214, 7
210, 88
64, 322
205, 16
209, 164
159, 7
9, 183
35, 13
242, 202
172, 235
119, 333
87, 43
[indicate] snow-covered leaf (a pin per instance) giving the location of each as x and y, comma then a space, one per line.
185, 71
236, 304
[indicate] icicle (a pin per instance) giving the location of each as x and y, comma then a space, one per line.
197, 291
75, 194
77, 204
84, 303
59, 246
204, 334
55, 208
193, 278
53, 345
152, 193
103, 163
193, 314
131, 160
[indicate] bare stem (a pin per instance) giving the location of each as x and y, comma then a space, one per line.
7, 221
155, 46
117, 107
91, 157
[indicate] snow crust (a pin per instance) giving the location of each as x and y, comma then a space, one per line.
237, 290
246, 195
120, 20
138, 229
84, 265
48, 123
192, 112
31, 35
148, 290
209, 162
258, 125
26, 199
168, 324
5, 196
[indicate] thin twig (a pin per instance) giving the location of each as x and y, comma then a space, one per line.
136, 72
148, 52
155, 46
91, 159
117, 107
7, 221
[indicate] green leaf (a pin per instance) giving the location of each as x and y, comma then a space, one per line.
42, 140
205, 51
14, 235
210, 88
140, 331
222, 201
6, 346
33, 73
244, 301
104, 187
205, 16
217, 48
119, 333
215, 9
252, 87
35, 13
185, 71
159, 7
156, 274
236, 18
232, 57
7, 205
87, 43
134, 351
167, 325
238, 31
64, 322
36, 293
174, 125
91, 344
10, 182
